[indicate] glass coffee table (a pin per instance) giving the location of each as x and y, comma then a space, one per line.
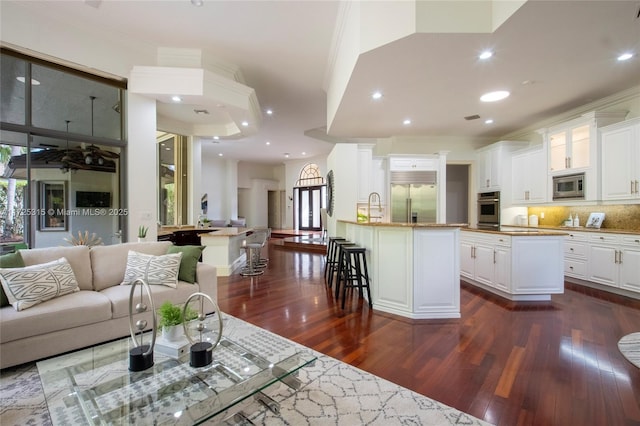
94, 385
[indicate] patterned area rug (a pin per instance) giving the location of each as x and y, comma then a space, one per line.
629, 346
332, 392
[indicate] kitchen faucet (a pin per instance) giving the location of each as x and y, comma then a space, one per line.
372, 197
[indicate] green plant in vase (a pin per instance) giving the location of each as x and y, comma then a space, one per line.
142, 232
171, 320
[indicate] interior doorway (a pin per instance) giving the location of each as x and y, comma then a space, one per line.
457, 193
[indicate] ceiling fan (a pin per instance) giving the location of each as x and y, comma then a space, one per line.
86, 157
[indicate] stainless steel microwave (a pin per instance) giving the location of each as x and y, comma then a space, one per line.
568, 187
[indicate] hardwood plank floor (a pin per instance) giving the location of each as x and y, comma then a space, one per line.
536, 363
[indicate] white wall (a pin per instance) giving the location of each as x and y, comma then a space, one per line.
341, 160
218, 180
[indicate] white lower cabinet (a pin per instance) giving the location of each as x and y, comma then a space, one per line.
575, 255
513, 266
614, 260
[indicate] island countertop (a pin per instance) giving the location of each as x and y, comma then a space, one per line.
407, 225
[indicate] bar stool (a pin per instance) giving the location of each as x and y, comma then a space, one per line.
355, 273
331, 257
252, 268
335, 267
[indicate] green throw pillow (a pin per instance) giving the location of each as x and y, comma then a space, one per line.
11, 260
190, 257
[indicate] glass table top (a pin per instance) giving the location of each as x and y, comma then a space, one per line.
94, 385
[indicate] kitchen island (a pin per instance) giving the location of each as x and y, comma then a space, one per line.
414, 267
518, 264
224, 249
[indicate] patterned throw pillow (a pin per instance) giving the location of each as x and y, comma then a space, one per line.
155, 270
28, 286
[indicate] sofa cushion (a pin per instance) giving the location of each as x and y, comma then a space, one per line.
28, 286
155, 270
108, 263
119, 296
73, 310
77, 256
190, 257
11, 260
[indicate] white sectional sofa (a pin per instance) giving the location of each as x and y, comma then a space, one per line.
97, 313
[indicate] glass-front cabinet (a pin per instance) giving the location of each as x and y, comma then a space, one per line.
570, 148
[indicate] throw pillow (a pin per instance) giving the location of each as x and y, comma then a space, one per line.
28, 286
189, 263
11, 260
155, 270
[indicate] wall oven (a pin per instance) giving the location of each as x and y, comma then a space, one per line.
489, 210
568, 187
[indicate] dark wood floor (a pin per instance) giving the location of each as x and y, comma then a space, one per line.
544, 363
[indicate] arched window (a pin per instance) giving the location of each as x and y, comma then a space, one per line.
310, 176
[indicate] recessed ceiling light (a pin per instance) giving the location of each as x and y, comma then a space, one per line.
269, 111
488, 121
486, 54
406, 122
176, 99
625, 56
245, 123
376, 95
220, 154
286, 155
216, 137
267, 143
197, 3
494, 96
304, 153
167, 148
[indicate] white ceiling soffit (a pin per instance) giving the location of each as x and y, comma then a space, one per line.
358, 31
214, 101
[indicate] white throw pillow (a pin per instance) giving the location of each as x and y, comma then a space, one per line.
155, 270
28, 286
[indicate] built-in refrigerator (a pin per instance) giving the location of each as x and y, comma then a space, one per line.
414, 197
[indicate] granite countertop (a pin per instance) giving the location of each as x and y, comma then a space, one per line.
569, 229
524, 232
407, 225
226, 232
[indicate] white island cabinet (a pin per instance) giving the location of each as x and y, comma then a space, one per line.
414, 268
520, 266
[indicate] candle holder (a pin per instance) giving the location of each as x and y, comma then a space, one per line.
201, 353
141, 355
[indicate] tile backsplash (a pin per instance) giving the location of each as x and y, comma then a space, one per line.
619, 216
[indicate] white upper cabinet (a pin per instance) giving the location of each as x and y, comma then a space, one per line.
620, 155
573, 145
570, 149
529, 177
494, 165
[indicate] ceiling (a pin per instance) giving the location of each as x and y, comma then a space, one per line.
551, 55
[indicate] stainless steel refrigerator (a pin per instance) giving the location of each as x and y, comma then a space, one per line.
414, 202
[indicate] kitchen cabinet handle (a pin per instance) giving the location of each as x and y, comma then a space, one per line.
488, 183
571, 267
615, 257
571, 249
620, 257
633, 188
637, 189
494, 256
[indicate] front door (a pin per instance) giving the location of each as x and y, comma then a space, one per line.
310, 202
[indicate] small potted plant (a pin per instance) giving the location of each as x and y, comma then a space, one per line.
142, 233
171, 320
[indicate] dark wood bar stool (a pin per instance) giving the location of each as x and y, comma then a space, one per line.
336, 267
354, 272
331, 257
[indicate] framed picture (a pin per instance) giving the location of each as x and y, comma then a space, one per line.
52, 206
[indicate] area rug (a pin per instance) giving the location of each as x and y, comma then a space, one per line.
629, 346
332, 392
